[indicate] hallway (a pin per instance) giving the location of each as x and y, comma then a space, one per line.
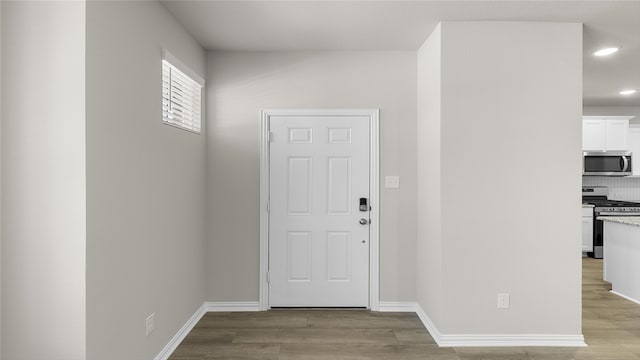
611, 326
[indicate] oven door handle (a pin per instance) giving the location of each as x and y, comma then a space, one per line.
609, 213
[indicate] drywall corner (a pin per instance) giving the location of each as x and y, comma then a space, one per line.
43, 180
1, 179
429, 175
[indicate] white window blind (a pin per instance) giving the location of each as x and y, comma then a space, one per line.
181, 99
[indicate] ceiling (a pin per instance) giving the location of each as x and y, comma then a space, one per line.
301, 25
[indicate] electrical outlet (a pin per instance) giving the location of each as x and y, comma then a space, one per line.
150, 323
503, 301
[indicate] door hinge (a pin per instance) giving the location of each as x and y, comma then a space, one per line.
268, 277
268, 206
269, 136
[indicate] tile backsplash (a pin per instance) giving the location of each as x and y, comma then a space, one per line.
620, 188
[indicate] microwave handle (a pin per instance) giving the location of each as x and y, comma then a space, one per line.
625, 164
613, 213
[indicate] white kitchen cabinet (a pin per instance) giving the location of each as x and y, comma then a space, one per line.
634, 147
601, 133
594, 134
617, 134
587, 229
622, 256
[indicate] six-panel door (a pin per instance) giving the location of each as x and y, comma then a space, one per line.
318, 248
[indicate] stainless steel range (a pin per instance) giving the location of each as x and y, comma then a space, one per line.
598, 196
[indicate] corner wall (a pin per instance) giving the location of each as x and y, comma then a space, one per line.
43, 180
429, 285
0, 180
243, 83
145, 184
510, 109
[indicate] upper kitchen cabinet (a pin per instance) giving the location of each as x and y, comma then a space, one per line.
594, 134
600, 133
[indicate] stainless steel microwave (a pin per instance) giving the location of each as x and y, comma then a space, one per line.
606, 163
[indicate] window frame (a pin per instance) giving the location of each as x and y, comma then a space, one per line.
190, 82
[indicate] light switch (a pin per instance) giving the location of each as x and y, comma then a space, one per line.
392, 182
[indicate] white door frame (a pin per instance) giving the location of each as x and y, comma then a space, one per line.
374, 249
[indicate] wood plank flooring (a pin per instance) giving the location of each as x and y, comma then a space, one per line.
611, 326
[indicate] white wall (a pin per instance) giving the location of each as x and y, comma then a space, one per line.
243, 83
429, 164
43, 180
145, 184
0, 180
510, 100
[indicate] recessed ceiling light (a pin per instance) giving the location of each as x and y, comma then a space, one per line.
628, 92
606, 51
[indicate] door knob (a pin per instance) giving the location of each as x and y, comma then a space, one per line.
364, 221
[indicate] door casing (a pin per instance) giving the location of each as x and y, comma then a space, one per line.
374, 250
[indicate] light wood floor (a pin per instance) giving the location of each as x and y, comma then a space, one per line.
611, 326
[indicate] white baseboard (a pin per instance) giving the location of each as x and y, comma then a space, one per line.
481, 340
443, 340
511, 340
431, 327
625, 297
166, 352
181, 334
232, 306
397, 306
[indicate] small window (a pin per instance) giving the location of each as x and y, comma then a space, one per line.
181, 95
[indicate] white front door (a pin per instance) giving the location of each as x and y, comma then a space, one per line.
318, 235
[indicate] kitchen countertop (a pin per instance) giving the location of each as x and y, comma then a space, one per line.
586, 205
629, 220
